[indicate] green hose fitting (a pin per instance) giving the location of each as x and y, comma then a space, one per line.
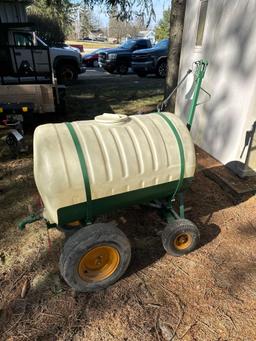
28, 220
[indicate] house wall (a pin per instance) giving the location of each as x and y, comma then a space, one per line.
147, 35
221, 124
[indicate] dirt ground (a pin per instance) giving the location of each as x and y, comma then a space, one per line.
208, 295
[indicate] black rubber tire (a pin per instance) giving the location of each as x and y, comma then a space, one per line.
122, 69
142, 74
66, 73
11, 140
13, 144
173, 230
110, 70
95, 63
161, 70
84, 240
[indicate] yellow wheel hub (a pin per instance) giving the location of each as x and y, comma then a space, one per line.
98, 263
183, 241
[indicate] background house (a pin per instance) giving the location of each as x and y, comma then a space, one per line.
223, 32
147, 34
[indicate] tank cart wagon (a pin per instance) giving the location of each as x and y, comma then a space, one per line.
87, 168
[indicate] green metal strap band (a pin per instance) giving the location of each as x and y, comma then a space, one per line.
181, 151
83, 168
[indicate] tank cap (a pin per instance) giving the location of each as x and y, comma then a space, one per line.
111, 118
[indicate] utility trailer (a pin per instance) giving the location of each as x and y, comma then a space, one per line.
27, 83
28, 88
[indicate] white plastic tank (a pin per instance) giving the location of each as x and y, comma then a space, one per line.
122, 154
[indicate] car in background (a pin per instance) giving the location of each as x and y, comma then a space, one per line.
153, 60
102, 39
119, 59
66, 60
91, 59
65, 46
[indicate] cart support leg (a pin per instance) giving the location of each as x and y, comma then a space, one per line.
171, 214
181, 205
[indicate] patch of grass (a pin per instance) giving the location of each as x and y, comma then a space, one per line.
113, 94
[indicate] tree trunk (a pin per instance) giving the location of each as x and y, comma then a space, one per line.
175, 35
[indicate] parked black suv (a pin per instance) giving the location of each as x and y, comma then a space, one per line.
119, 59
152, 60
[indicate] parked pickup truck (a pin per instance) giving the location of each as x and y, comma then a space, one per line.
152, 60
66, 62
119, 59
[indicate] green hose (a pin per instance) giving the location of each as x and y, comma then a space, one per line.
28, 220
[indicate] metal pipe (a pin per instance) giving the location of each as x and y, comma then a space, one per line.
28, 220
201, 66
